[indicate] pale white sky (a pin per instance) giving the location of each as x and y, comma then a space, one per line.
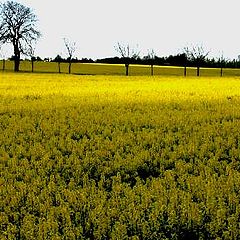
163, 25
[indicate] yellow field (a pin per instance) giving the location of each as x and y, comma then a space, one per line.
117, 69
111, 157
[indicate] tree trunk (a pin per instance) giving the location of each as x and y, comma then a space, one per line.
185, 71
221, 71
3, 67
152, 69
32, 65
59, 67
198, 71
16, 58
127, 67
16, 64
69, 67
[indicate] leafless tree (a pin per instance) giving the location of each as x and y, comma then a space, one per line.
127, 53
31, 53
221, 60
185, 64
151, 57
197, 54
18, 27
71, 49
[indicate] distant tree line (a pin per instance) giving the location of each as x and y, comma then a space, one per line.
171, 60
61, 59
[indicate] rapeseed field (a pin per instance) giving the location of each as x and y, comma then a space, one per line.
111, 157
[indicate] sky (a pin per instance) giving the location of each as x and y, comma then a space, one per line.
166, 26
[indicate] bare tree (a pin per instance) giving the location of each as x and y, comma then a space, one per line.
151, 57
127, 53
18, 27
31, 53
197, 54
221, 60
71, 49
185, 64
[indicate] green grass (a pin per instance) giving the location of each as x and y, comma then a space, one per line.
110, 157
117, 69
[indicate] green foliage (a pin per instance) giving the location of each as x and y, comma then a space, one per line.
109, 158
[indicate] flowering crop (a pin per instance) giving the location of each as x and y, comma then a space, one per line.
109, 157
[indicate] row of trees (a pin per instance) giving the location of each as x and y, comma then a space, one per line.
18, 27
195, 54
